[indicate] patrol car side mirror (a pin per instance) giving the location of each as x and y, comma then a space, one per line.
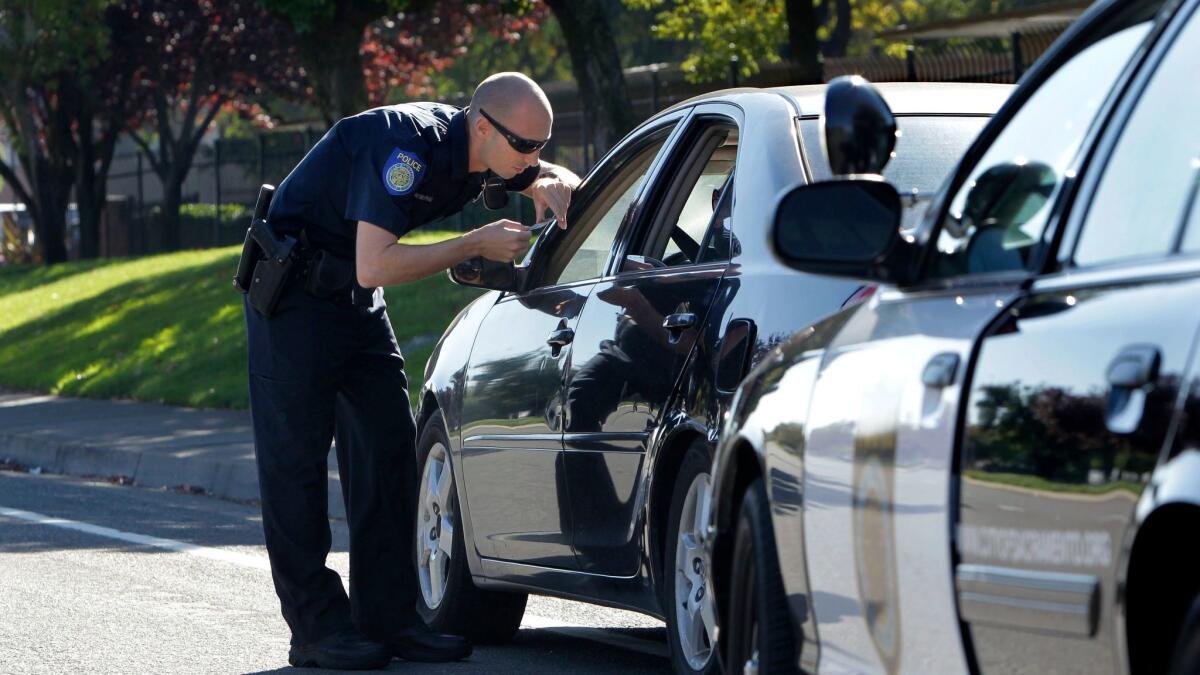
483, 273
847, 228
859, 128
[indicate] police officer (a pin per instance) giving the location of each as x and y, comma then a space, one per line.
324, 364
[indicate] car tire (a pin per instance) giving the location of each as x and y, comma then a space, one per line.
447, 598
757, 636
1185, 660
690, 606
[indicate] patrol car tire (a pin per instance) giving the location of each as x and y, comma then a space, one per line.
482, 616
1186, 658
758, 636
684, 546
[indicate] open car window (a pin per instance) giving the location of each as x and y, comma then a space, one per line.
691, 216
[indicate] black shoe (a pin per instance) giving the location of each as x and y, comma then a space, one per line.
422, 644
344, 650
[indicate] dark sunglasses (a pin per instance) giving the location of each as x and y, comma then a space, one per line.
521, 145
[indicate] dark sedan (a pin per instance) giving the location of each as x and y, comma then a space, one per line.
568, 418
993, 464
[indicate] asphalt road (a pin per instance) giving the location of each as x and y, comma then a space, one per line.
106, 578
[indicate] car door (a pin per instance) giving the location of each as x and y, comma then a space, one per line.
879, 460
1073, 390
512, 459
636, 332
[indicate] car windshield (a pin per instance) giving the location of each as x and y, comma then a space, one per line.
927, 149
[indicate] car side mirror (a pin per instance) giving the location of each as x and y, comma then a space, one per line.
847, 228
480, 272
859, 128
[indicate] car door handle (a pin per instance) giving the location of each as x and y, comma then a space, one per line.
558, 339
677, 322
1128, 374
940, 370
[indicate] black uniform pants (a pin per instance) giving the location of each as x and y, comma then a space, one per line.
322, 370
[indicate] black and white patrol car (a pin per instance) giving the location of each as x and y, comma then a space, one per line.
993, 464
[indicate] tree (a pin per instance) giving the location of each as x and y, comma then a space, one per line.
752, 32
597, 68
43, 45
330, 36
403, 53
102, 104
207, 55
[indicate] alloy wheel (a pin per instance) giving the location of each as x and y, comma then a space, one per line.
695, 612
435, 526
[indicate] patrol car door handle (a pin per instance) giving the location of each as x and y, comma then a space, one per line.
677, 322
558, 339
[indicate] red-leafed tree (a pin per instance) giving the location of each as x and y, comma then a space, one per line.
400, 53
359, 53
201, 56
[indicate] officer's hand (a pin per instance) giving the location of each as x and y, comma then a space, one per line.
551, 193
502, 241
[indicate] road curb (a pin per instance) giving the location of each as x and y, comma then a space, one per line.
232, 480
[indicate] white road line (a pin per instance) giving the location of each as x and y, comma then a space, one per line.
594, 634
165, 544
530, 621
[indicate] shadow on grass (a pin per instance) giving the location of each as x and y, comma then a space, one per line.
177, 338
24, 277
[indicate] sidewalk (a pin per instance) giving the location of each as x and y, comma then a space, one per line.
152, 445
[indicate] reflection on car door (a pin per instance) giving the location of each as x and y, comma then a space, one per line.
877, 476
511, 450
636, 332
512, 405
1072, 396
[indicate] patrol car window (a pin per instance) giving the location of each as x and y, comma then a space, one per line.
585, 252
997, 216
1143, 197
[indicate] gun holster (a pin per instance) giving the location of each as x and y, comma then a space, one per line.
267, 259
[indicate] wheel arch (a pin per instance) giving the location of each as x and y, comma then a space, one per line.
1159, 584
740, 469
667, 461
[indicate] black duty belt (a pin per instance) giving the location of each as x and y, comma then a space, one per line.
270, 261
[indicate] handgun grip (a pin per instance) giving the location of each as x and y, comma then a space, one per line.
263, 205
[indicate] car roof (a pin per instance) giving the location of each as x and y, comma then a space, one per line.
904, 98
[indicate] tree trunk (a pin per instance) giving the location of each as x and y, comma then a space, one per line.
597, 68
51, 186
802, 41
168, 216
840, 39
333, 60
86, 188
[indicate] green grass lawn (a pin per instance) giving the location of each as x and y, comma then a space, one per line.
166, 328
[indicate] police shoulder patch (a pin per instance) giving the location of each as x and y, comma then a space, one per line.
402, 172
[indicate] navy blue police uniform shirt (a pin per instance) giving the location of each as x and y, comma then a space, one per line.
397, 167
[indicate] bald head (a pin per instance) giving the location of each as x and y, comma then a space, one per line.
519, 114
512, 96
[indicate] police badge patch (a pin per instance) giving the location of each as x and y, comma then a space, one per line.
402, 173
